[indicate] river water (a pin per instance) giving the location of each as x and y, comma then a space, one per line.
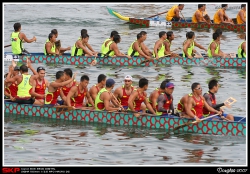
58, 142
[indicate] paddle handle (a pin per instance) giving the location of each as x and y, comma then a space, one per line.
157, 14
205, 118
5, 46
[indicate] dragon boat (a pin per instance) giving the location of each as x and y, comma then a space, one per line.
124, 61
168, 122
187, 23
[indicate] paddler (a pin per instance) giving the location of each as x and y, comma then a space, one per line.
242, 49
210, 98
159, 47
221, 17
78, 93
174, 13
198, 15
196, 103
17, 39
241, 16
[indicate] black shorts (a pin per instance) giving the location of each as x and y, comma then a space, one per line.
25, 101
175, 19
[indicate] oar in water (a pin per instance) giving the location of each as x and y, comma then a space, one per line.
188, 123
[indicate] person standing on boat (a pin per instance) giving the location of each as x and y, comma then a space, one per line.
198, 15
241, 16
59, 50
138, 48
214, 47
39, 86
159, 47
189, 44
77, 94
152, 99
138, 96
111, 49
111, 38
24, 83
196, 103
10, 89
65, 89
168, 42
165, 100
94, 90
210, 98
104, 98
242, 49
55, 88
17, 39
80, 47
50, 47
174, 13
123, 92
221, 17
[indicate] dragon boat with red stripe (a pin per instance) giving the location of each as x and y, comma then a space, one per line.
215, 127
187, 23
124, 61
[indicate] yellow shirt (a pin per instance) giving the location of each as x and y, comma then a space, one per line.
238, 18
216, 16
194, 20
170, 13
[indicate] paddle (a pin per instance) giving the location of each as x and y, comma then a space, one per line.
188, 123
157, 14
147, 60
183, 16
229, 102
5, 46
61, 109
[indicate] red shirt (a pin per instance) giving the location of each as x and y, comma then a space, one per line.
78, 100
40, 89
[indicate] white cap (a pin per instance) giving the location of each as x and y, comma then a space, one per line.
128, 77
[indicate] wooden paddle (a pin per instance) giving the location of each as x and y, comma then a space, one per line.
188, 123
183, 16
5, 46
157, 14
63, 108
229, 102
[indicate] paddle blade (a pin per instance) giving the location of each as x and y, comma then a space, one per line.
181, 126
62, 109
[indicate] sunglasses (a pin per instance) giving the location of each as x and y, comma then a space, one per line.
40, 68
127, 80
199, 88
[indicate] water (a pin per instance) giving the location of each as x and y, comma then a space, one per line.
56, 142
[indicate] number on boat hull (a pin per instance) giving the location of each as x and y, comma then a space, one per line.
8, 57
160, 23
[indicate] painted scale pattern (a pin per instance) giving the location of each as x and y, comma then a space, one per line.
236, 27
136, 61
126, 119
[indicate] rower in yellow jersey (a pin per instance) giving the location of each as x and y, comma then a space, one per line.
198, 15
104, 44
241, 16
159, 47
188, 46
214, 47
242, 49
221, 17
173, 13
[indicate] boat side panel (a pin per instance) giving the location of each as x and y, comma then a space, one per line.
126, 119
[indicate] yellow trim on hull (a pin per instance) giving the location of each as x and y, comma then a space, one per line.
120, 16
